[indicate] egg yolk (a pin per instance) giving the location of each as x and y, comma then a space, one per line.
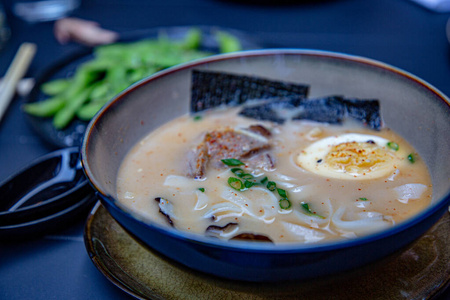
354, 157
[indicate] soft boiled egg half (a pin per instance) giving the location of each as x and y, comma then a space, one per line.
351, 156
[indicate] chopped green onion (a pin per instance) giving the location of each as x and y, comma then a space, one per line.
237, 171
393, 145
246, 176
201, 190
309, 212
271, 186
235, 183
282, 193
249, 184
284, 203
363, 199
240, 173
264, 180
411, 158
306, 206
232, 162
197, 118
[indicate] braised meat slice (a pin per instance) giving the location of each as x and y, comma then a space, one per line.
261, 160
197, 159
250, 145
233, 144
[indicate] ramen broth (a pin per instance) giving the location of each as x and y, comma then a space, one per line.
320, 206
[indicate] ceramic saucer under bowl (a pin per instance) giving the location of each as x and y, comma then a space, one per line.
421, 271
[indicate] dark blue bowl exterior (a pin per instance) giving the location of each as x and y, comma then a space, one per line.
276, 265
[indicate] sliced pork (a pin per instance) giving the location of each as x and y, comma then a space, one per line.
250, 145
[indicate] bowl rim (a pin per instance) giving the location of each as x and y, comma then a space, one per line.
245, 246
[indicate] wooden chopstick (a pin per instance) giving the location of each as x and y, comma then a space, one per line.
15, 72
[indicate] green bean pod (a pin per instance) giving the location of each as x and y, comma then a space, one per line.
46, 108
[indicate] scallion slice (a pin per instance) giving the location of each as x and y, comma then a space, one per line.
271, 186
235, 183
284, 203
411, 158
201, 190
393, 145
246, 176
240, 173
282, 193
264, 180
309, 212
232, 162
237, 171
363, 199
248, 184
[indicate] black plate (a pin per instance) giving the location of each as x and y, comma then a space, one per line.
74, 133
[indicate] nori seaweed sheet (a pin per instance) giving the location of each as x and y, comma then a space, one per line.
365, 111
277, 101
332, 110
272, 109
212, 89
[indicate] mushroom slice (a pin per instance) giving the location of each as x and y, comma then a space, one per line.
252, 237
165, 208
221, 231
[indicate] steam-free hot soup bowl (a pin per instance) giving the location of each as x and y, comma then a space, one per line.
411, 107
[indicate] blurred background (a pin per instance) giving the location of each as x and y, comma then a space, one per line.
409, 34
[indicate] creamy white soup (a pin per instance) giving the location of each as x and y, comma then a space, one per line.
300, 182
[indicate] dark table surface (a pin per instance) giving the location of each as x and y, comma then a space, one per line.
397, 32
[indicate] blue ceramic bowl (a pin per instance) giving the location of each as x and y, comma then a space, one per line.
410, 106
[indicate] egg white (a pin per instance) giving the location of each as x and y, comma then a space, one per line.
314, 157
